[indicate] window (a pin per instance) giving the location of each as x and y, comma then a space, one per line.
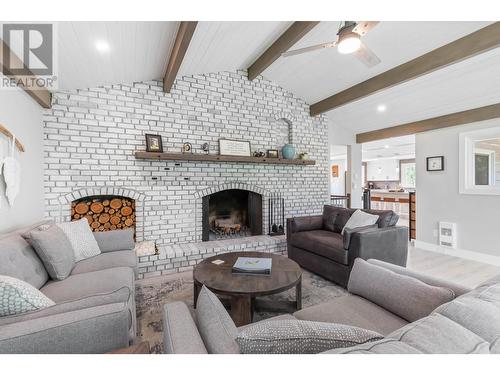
484, 164
408, 173
480, 162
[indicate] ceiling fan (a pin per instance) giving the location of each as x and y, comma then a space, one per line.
348, 41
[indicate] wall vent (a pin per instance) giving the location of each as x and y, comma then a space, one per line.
448, 234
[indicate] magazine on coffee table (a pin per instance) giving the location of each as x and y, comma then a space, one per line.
252, 266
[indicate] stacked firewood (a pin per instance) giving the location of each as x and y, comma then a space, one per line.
228, 229
105, 214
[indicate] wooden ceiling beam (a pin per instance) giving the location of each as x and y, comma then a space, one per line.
291, 36
470, 45
458, 118
181, 44
41, 95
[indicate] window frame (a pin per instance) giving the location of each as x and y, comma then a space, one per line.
466, 165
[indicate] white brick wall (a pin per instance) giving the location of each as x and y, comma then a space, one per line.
91, 136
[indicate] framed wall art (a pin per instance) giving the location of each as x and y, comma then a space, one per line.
335, 170
232, 147
435, 163
154, 143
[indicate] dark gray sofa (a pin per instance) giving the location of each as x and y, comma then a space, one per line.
316, 242
388, 304
95, 306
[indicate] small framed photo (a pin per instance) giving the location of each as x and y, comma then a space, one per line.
273, 154
435, 163
154, 143
335, 170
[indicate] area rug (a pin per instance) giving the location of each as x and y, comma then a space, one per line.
152, 294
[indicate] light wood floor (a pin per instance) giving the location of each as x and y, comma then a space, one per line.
462, 271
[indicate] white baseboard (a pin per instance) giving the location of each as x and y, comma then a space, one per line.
460, 253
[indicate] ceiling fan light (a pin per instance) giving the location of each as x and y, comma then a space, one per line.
348, 43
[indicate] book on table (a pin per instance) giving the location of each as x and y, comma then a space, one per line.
252, 266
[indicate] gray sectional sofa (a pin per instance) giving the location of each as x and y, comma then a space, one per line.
415, 313
95, 306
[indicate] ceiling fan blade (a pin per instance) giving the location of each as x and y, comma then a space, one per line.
308, 49
363, 27
366, 56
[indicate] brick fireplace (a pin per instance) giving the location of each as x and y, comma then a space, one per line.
91, 136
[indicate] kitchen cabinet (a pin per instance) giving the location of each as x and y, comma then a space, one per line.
382, 170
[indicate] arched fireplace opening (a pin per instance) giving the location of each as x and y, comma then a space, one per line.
231, 213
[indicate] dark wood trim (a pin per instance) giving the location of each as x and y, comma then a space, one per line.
41, 96
475, 43
390, 199
218, 158
291, 36
412, 216
458, 118
181, 44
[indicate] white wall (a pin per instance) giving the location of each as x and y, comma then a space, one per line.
438, 198
338, 183
23, 116
339, 135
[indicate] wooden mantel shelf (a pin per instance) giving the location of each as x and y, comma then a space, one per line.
218, 158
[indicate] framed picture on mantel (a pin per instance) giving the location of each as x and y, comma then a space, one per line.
154, 143
232, 147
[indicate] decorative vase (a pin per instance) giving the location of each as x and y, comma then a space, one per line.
288, 151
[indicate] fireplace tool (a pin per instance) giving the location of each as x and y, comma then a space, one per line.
276, 214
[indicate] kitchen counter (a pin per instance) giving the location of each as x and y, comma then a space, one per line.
387, 191
397, 201
389, 194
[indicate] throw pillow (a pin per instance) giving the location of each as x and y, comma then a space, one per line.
54, 249
18, 297
300, 337
215, 325
360, 219
81, 238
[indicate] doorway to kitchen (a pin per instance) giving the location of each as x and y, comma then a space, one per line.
390, 176
339, 192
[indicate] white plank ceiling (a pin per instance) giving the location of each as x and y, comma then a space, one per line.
139, 51
472, 83
228, 46
317, 75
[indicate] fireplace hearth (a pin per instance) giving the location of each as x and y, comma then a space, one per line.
230, 214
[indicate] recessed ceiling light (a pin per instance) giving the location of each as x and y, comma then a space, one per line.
381, 107
386, 146
102, 46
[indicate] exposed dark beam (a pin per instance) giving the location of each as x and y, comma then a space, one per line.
41, 95
453, 119
478, 42
182, 40
291, 36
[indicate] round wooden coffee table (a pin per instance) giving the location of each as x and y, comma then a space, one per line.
242, 290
